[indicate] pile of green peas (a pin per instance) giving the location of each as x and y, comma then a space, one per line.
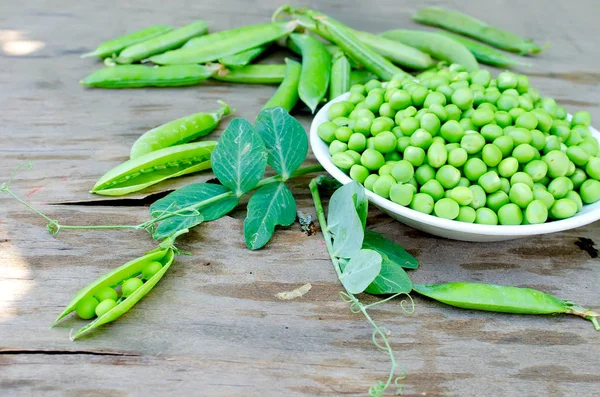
465, 146
107, 298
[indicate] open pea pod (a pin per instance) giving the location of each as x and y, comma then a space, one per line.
124, 306
149, 169
118, 275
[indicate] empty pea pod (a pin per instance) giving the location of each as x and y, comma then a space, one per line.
316, 69
113, 47
464, 24
253, 74
286, 95
502, 299
486, 54
178, 131
219, 45
243, 58
396, 52
135, 76
340, 75
162, 43
440, 47
115, 278
147, 170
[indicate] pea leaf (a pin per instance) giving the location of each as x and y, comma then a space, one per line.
360, 271
392, 279
356, 193
390, 251
271, 205
240, 158
184, 197
346, 219
285, 139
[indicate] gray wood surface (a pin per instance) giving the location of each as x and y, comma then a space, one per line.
213, 326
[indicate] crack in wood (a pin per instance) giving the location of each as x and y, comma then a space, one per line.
65, 352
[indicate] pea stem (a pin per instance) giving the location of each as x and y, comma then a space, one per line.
355, 305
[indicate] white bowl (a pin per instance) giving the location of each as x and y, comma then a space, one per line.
444, 227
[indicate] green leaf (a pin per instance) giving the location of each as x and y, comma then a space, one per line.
285, 139
185, 197
392, 279
361, 270
346, 219
352, 190
240, 158
390, 251
271, 205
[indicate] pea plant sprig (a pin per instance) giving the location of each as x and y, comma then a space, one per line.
239, 162
363, 261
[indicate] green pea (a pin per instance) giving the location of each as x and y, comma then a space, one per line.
574, 138
382, 186
446, 208
497, 200
488, 106
370, 181
481, 76
560, 186
421, 138
590, 191
359, 173
463, 98
527, 120
561, 129
402, 143
482, 117
490, 182
433, 188
545, 197
372, 159
339, 109
563, 208
355, 98
552, 143
464, 182
524, 153
403, 171
415, 155
538, 140
455, 85
386, 110
510, 214
424, 173
520, 136
592, 168
506, 80
525, 104
582, 118
502, 119
402, 194
129, 286
515, 113
505, 185
437, 155
537, 169
372, 84
561, 113
485, 216
86, 307
466, 214
492, 95
430, 123
578, 177
479, 196
418, 95
371, 143
105, 306
439, 111
544, 120
522, 177
434, 98
521, 194
491, 155
365, 113
589, 147
343, 134
467, 124
342, 121
373, 101
573, 195
385, 142
357, 142
408, 125
359, 89
337, 147
448, 176
558, 163
453, 112
490, 132
474, 168
582, 131
452, 131
354, 155
326, 131
422, 202
400, 100
462, 195
381, 124
507, 102
342, 161
472, 142
457, 157
446, 90
505, 143
109, 293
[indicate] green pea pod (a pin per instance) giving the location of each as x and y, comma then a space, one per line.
135, 76
361, 76
340, 75
116, 277
464, 24
342, 36
333, 50
395, 51
502, 299
486, 54
243, 58
440, 47
316, 69
178, 131
131, 269
162, 43
287, 93
219, 45
253, 74
113, 47
147, 170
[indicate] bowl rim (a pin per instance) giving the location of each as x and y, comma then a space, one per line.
589, 214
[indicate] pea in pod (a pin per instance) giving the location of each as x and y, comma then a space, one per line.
441, 47
287, 93
243, 58
135, 76
340, 75
316, 69
113, 47
486, 54
147, 170
252, 74
467, 25
178, 131
219, 45
115, 278
162, 43
502, 299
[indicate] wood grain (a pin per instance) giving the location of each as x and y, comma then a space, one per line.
213, 326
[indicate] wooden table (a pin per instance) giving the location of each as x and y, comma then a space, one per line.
213, 326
